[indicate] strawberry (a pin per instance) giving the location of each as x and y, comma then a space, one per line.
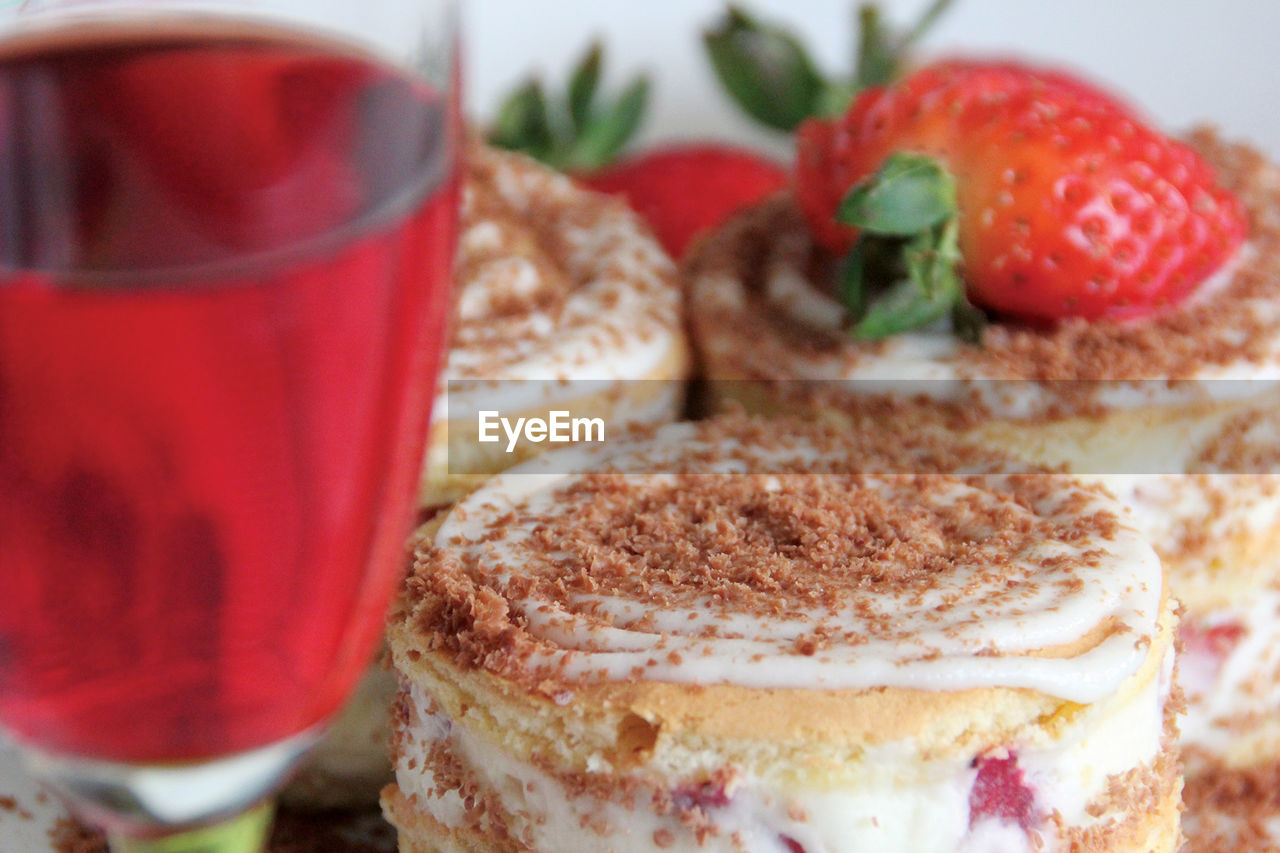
683, 190
1052, 197
1000, 791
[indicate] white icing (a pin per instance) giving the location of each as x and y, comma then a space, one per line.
982, 638
621, 321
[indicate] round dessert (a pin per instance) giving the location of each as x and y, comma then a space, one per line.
564, 302
1174, 402
783, 638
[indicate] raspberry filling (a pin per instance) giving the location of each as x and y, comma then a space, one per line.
1001, 792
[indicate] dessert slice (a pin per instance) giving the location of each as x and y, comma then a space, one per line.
781, 638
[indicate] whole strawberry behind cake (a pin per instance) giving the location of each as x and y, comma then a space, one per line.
1012, 252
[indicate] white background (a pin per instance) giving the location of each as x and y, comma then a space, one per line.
1180, 61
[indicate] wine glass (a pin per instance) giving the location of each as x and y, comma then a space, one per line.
226, 230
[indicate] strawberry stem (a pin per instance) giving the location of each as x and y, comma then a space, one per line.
583, 85
880, 54
909, 194
923, 24
770, 75
604, 134
875, 63
522, 123
577, 131
767, 70
909, 234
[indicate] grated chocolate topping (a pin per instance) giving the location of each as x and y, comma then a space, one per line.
689, 575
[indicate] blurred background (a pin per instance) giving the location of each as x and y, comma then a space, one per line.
1181, 62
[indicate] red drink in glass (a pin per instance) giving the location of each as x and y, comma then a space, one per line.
224, 258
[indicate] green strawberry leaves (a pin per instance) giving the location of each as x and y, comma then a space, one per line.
766, 70
770, 74
876, 62
908, 234
522, 123
579, 132
584, 83
909, 194
881, 52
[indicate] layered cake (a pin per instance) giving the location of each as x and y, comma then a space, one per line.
564, 302
1167, 392
768, 636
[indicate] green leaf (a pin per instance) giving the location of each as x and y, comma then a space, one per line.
834, 100
877, 58
609, 130
769, 73
765, 69
523, 123
583, 84
968, 322
571, 131
903, 307
932, 259
909, 194
930, 289
853, 290
922, 26
881, 54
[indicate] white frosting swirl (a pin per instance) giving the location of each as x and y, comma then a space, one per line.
972, 624
613, 312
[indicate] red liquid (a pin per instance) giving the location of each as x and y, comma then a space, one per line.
223, 268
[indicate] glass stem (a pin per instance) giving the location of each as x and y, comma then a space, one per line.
242, 833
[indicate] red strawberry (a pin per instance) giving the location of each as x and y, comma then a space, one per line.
1066, 205
683, 190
